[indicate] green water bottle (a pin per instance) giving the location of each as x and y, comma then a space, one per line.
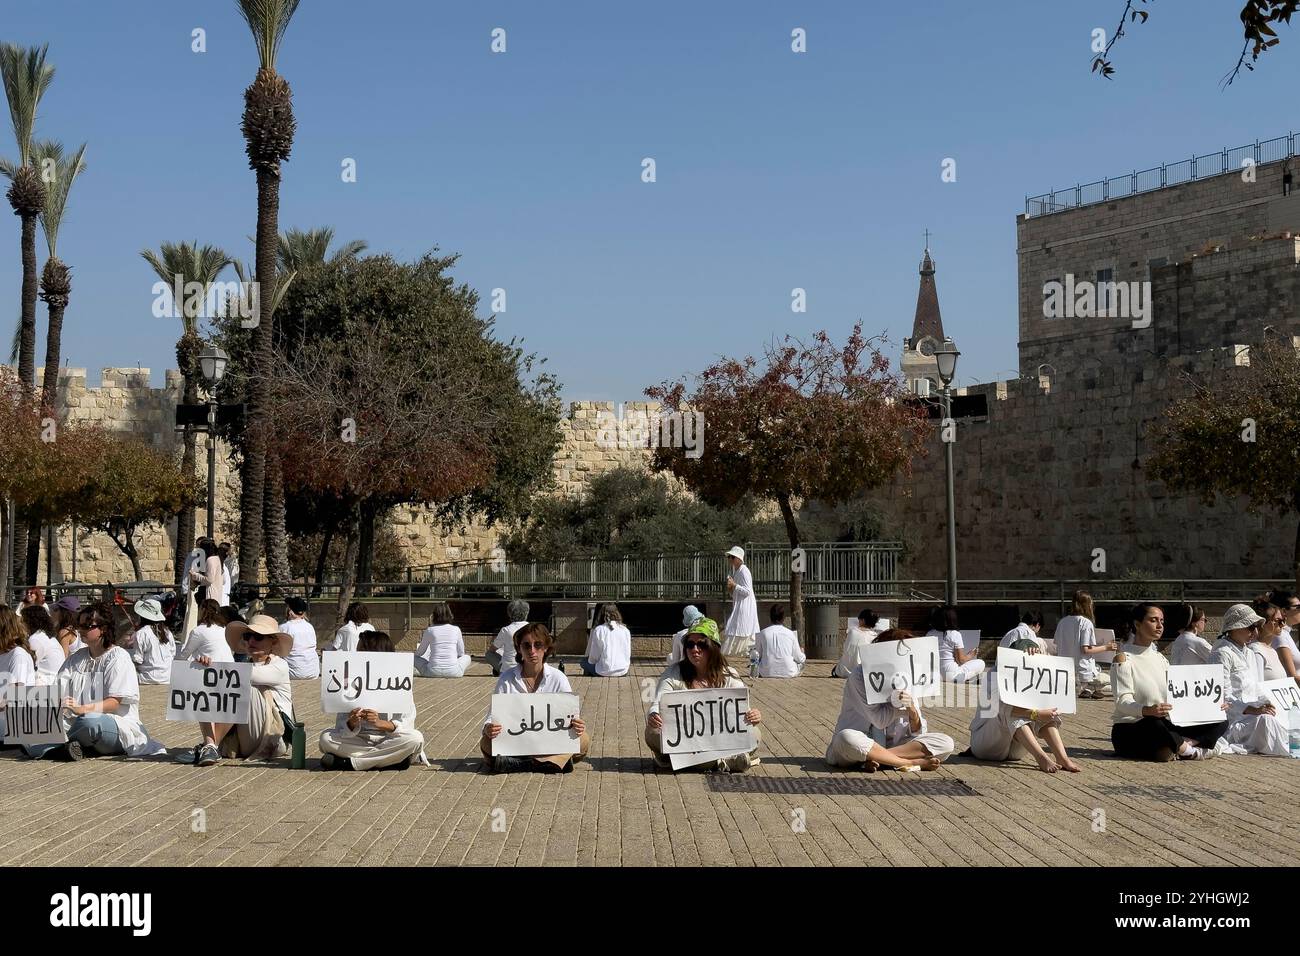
299, 759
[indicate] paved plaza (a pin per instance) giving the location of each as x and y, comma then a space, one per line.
617, 810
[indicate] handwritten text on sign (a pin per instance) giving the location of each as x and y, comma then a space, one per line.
698, 721
535, 725
373, 680
32, 716
911, 666
1196, 691
1282, 693
218, 693
1035, 681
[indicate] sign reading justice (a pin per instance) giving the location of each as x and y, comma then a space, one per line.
534, 725
704, 725
911, 665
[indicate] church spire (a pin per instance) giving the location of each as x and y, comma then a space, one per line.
928, 322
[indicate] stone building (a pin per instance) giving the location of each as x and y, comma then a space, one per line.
919, 367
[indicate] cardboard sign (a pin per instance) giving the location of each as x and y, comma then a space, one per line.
219, 693
373, 680
32, 716
911, 666
1104, 636
1035, 681
707, 724
534, 725
970, 641
1281, 692
1196, 691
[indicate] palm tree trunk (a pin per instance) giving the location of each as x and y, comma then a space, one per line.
796, 577
253, 492
366, 548
27, 340
32, 564
53, 356
185, 521
326, 540
349, 577
277, 540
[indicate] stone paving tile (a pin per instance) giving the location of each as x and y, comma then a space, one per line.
617, 810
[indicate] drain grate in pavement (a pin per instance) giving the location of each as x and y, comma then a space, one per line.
842, 786
1163, 794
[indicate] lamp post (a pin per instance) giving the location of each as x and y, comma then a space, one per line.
212, 364
946, 357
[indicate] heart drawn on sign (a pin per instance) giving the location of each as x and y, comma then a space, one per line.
877, 681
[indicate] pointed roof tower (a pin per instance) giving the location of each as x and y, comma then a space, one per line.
928, 322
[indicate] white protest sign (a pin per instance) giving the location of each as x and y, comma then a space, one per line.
372, 680
1104, 636
219, 693
1281, 692
1196, 691
706, 722
911, 666
535, 725
882, 625
970, 641
1036, 681
32, 716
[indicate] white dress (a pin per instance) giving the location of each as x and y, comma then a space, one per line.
1258, 733
742, 624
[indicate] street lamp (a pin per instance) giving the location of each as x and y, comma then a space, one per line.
946, 358
212, 365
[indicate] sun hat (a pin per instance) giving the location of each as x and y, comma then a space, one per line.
737, 552
149, 609
69, 602
1239, 616
690, 614
708, 628
264, 624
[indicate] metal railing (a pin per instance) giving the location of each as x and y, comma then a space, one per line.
1159, 177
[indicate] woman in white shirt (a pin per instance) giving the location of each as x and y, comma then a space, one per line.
703, 667
208, 639
956, 664
303, 660
1076, 638
1284, 643
101, 706
1254, 723
690, 614
153, 648
609, 648
1029, 629
48, 651
17, 659
365, 739
442, 646
742, 622
209, 581
1189, 647
1005, 732
861, 633
532, 675
65, 612
270, 716
891, 734
356, 620
1266, 634
776, 651
1141, 728
501, 655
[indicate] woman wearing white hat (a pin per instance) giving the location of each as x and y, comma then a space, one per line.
1253, 721
270, 716
742, 624
690, 614
155, 648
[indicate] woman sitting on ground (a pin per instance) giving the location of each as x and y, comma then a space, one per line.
609, 649
1254, 723
1076, 638
367, 739
65, 613
1029, 629
304, 659
702, 668
1266, 634
208, 639
1141, 728
356, 620
49, 652
776, 649
1010, 732
442, 646
690, 614
861, 633
502, 651
1189, 647
17, 659
956, 664
153, 648
889, 734
101, 706
532, 675
267, 734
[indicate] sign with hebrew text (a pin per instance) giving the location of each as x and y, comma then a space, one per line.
1035, 681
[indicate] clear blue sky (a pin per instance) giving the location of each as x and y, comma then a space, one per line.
775, 170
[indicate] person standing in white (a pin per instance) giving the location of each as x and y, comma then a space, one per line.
442, 646
609, 648
1189, 647
189, 586
501, 655
303, 661
153, 648
742, 623
1253, 721
1076, 637
777, 649
690, 614
956, 664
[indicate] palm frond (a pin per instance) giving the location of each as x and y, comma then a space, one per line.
300, 249
188, 262
268, 19
26, 77
350, 250
66, 171
8, 168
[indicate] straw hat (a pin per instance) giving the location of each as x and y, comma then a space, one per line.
264, 624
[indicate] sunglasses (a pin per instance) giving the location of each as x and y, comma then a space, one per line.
254, 636
530, 646
696, 645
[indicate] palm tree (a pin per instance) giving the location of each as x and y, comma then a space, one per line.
187, 262
56, 287
301, 249
268, 127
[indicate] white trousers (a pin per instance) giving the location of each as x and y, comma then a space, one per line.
425, 669
1260, 734
368, 753
960, 675
851, 747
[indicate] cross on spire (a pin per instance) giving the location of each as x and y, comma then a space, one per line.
927, 238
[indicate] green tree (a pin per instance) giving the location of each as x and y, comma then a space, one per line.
1238, 433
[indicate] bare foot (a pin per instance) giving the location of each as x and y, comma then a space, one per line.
1047, 764
927, 763
1070, 765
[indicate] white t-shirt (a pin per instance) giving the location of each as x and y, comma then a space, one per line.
206, 640
16, 667
610, 649
1074, 631
949, 641
856, 639
778, 652
1190, 648
274, 674
441, 645
504, 643
347, 636
1283, 639
49, 656
1022, 632
884, 723
153, 658
511, 681
112, 674
303, 662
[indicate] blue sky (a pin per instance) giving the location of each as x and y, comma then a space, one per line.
775, 170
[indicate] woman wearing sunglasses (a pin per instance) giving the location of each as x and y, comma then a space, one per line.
532, 675
702, 667
1255, 724
101, 696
